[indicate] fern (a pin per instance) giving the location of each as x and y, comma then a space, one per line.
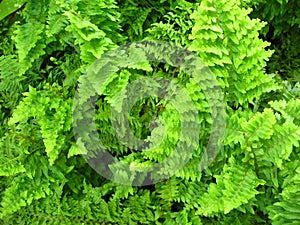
229, 192
286, 210
225, 45
283, 32
48, 178
53, 118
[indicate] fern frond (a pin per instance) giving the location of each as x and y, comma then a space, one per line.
287, 209
232, 48
236, 185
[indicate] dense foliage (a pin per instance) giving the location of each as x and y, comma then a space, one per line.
282, 31
46, 47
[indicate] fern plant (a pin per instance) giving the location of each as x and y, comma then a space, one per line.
46, 48
283, 32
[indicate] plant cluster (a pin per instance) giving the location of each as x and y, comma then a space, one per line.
47, 46
283, 32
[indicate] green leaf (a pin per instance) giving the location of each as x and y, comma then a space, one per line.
7, 7
260, 126
74, 150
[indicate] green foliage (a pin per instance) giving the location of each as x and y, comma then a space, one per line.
286, 210
51, 112
283, 32
235, 186
8, 7
47, 46
224, 43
